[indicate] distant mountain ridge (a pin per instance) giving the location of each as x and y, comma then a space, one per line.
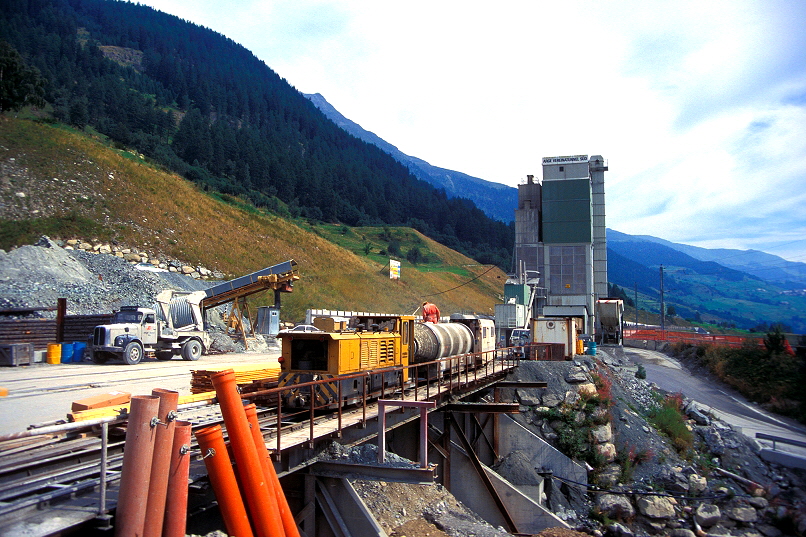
701, 284
496, 200
765, 266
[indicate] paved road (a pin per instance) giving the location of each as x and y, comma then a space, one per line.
42, 393
722, 402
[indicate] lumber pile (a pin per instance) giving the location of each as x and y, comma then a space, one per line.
245, 375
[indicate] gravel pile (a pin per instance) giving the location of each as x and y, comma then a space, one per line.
37, 276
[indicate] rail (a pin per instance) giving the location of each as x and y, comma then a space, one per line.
439, 376
77, 472
782, 440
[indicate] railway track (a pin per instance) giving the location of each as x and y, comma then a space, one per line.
75, 467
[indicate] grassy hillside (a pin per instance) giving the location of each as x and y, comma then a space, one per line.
65, 184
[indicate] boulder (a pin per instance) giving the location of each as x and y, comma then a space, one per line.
743, 514
707, 515
602, 433
697, 484
656, 507
615, 506
551, 400
528, 397
586, 389
577, 376
607, 450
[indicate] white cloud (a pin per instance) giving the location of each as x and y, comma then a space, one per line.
698, 106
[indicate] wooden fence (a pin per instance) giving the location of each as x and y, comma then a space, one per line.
40, 332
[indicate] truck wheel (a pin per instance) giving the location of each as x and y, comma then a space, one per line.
133, 353
164, 355
191, 350
99, 357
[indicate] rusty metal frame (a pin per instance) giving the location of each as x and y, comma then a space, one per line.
424, 406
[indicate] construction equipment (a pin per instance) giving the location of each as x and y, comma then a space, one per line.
175, 324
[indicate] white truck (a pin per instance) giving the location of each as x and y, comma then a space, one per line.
173, 327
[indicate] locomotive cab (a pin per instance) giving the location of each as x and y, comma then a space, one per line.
374, 343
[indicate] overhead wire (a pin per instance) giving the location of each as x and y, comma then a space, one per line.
462, 284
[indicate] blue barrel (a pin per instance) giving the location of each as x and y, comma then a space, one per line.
67, 353
592, 348
78, 350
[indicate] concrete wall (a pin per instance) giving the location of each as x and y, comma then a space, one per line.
512, 436
469, 488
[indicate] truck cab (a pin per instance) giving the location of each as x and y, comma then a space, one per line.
174, 327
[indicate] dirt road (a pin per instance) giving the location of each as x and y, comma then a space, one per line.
42, 392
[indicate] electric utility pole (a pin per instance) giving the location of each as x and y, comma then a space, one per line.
662, 307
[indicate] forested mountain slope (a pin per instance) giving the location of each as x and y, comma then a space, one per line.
65, 184
496, 200
205, 107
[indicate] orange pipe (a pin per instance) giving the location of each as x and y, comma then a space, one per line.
222, 477
138, 451
161, 462
289, 526
259, 497
176, 504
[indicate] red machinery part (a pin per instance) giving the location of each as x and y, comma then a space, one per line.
289, 526
135, 474
176, 504
260, 498
222, 477
161, 462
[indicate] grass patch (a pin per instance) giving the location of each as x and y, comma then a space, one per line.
668, 418
14, 233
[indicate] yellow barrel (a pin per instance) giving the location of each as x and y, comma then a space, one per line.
54, 355
580, 346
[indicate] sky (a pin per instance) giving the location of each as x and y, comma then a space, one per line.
698, 107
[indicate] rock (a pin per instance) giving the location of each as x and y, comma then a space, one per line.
742, 514
551, 400
707, 515
697, 413
607, 450
586, 389
576, 376
759, 502
132, 257
697, 484
609, 476
682, 532
528, 397
718, 531
187, 270
712, 439
619, 530
571, 397
768, 530
656, 507
615, 506
602, 433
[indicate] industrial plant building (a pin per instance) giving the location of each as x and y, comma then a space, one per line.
560, 256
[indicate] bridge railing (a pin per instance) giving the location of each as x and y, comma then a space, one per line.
430, 379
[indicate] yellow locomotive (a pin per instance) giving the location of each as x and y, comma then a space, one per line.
367, 352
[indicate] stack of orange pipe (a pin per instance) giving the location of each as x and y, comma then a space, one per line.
260, 497
153, 488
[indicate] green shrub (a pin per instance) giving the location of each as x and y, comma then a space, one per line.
668, 418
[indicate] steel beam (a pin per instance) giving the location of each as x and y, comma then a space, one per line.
416, 476
482, 408
521, 384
